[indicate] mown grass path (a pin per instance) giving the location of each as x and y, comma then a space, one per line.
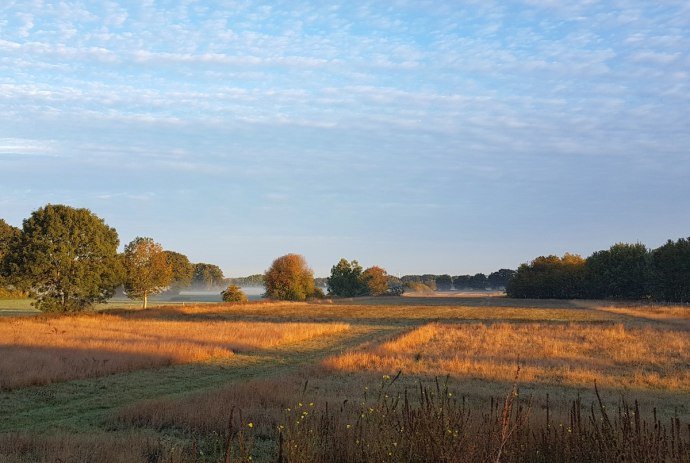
84, 405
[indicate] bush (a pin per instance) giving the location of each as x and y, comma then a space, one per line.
234, 294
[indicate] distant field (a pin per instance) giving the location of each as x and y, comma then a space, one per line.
166, 379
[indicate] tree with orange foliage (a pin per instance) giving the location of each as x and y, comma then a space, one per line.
376, 280
289, 278
147, 270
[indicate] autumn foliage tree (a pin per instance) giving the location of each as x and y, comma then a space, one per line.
375, 280
147, 271
289, 278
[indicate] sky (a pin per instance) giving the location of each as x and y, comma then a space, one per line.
422, 136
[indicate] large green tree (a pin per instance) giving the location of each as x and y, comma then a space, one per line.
289, 278
66, 258
147, 271
207, 276
182, 271
346, 279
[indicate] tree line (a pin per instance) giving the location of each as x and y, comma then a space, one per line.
479, 281
624, 271
67, 259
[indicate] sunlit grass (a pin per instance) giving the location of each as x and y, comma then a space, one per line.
564, 354
41, 350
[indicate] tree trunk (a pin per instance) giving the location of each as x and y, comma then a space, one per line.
146, 300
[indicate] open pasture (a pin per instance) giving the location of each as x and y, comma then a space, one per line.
83, 346
263, 362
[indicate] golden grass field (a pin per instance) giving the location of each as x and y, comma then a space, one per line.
161, 384
83, 346
573, 354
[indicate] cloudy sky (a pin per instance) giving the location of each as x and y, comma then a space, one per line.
422, 136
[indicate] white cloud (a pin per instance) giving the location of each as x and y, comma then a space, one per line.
27, 147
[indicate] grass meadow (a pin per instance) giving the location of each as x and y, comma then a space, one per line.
429, 378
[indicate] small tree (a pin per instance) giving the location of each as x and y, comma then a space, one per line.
289, 278
66, 257
147, 270
234, 294
375, 280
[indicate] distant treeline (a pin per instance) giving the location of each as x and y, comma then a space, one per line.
479, 281
624, 271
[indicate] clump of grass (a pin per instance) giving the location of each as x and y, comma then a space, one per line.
439, 426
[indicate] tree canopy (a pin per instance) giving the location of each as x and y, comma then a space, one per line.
147, 270
66, 258
375, 281
500, 278
444, 282
289, 278
8, 234
207, 276
346, 279
670, 271
182, 271
549, 277
620, 272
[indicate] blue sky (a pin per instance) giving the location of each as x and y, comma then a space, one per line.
439, 137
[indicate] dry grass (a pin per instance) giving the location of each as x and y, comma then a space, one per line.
571, 354
64, 448
73, 347
389, 310
672, 313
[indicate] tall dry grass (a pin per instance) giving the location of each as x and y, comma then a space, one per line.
438, 426
48, 349
71, 448
571, 354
